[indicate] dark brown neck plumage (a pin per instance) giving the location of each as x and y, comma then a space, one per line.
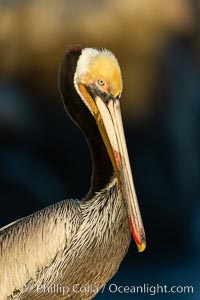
80, 114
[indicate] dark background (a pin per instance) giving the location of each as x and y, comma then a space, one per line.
44, 157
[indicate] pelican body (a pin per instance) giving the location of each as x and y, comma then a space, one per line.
70, 249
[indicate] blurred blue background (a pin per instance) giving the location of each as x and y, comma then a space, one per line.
44, 157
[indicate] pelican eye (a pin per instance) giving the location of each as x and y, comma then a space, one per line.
101, 82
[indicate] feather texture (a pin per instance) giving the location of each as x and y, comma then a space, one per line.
63, 248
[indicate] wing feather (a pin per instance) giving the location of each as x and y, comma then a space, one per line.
31, 244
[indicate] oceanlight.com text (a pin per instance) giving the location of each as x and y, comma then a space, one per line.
148, 289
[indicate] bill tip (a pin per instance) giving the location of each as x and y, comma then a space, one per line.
142, 246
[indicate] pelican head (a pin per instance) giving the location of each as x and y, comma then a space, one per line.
98, 81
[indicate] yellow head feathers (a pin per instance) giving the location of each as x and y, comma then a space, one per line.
101, 68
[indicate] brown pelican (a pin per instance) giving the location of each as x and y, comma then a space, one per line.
71, 249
